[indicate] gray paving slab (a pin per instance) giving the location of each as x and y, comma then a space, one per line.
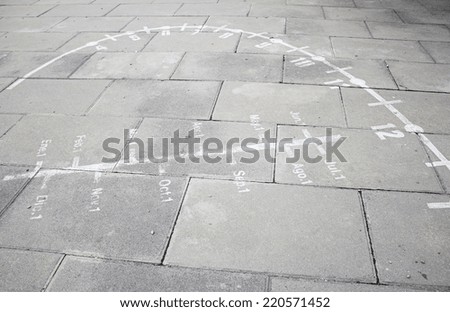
24, 10
78, 146
260, 238
408, 238
84, 274
159, 21
71, 97
80, 10
336, 3
428, 110
441, 142
311, 12
174, 99
234, 9
440, 51
66, 1
10, 187
390, 4
223, 167
402, 31
420, 76
26, 270
358, 14
18, 64
327, 28
319, 45
278, 103
369, 159
154, 65
435, 5
110, 217
33, 41
253, 24
424, 17
268, 2
201, 42
78, 24
128, 43
356, 48
7, 122
222, 66
16, 2
145, 9
302, 285
4, 82
28, 24
375, 73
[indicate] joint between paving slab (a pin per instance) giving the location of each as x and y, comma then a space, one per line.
390, 73
368, 29
53, 273
47, 10
118, 4
9, 129
426, 51
177, 66
216, 99
86, 112
344, 111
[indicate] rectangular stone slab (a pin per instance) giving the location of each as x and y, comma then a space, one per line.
26, 270
403, 31
232, 9
86, 274
28, 24
144, 9
357, 14
326, 27
112, 215
79, 10
254, 24
318, 232
277, 103
78, 24
33, 41
440, 51
312, 12
409, 239
9, 186
395, 163
24, 10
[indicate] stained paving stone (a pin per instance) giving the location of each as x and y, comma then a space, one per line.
120, 44
84, 274
33, 41
412, 249
52, 96
28, 24
24, 10
440, 51
157, 21
202, 42
79, 24
356, 14
286, 11
380, 49
182, 99
422, 77
226, 163
145, 9
368, 159
212, 219
66, 146
107, 216
319, 45
26, 270
327, 28
279, 103
409, 31
424, 17
253, 24
156, 65
302, 285
10, 187
428, 110
375, 73
238, 9
18, 64
441, 142
336, 3
222, 66
80, 10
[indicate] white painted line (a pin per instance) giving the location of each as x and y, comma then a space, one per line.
439, 205
438, 164
333, 82
385, 103
338, 70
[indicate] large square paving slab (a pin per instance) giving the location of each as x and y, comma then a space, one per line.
145, 9
51, 96
232, 9
77, 24
326, 27
306, 71
286, 11
154, 65
371, 162
223, 166
33, 41
80, 10
422, 77
430, 111
84, 274
62, 141
140, 98
279, 103
252, 24
219, 227
410, 240
402, 31
10, 186
114, 216
28, 24
230, 66
25, 270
